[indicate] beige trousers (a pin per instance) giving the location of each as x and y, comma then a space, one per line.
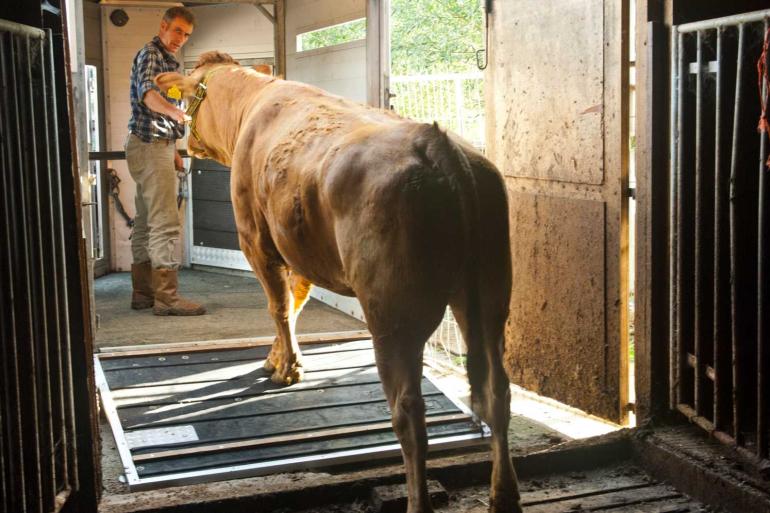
156, 224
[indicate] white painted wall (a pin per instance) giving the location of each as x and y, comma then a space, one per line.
340, 69
238, 29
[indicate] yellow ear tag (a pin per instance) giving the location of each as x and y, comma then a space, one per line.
174, 93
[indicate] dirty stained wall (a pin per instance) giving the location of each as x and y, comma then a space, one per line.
556, 129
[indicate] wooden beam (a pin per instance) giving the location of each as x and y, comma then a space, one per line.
321, 434
651, 321
267, 13
279, 37
221, 345
377, 52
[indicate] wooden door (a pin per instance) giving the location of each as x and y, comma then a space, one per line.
557, 127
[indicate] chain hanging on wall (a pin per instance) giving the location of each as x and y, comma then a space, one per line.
115, 193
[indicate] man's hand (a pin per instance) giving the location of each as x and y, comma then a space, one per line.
156, 103
178, 164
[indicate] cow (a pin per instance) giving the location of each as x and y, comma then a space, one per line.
402, 215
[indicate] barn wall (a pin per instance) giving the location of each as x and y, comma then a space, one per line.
238, 29
340, 69
120, 45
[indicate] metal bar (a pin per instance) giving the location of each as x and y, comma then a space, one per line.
673, 222
698, 317
41, 297
737, 19
13, 477
679, 223
57, 354
300, 463
66, 251
763, 312
29, 435
722, 437
734, 239
721, 350
321, 434
21, 30
121, 155
111, 412
68, 442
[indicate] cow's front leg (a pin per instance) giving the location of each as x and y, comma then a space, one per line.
284, 360
286, 354
300, 292
274, 357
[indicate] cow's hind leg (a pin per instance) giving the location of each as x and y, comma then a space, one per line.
491, 395
300, 292
399, 362
273, 274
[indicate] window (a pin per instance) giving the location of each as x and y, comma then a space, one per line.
354, 30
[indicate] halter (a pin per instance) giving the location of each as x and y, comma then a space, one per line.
200, 95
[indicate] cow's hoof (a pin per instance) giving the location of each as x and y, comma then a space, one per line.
292, 374
272, 361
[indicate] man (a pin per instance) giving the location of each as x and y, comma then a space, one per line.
156, 123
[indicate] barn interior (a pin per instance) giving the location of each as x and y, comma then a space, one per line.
637, 345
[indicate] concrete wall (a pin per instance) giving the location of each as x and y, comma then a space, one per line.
339, 69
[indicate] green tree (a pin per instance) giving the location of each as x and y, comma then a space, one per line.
435, 36
337, 34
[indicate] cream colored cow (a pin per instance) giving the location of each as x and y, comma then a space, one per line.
365, 203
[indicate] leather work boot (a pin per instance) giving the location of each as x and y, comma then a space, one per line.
141, 283
167, 298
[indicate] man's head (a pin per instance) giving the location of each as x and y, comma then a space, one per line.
175, 28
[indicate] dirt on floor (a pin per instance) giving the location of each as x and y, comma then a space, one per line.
621, 488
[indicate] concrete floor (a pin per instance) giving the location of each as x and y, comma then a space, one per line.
236, 304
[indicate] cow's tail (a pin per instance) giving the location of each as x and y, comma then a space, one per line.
450, 158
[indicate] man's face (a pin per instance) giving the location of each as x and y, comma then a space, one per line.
174, 34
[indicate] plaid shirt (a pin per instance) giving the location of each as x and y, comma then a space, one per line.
152, 60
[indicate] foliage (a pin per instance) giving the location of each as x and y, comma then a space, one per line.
435, 36
427, 36
334, 35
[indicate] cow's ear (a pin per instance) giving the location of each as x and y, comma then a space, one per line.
166, 81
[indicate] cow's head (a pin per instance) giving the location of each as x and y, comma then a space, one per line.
189, 87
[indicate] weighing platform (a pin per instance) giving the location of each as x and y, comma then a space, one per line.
196, 412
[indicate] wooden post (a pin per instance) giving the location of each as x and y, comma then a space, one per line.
378, 53
651, 294
279, 35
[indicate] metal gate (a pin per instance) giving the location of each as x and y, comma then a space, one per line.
47, 432
720, 352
